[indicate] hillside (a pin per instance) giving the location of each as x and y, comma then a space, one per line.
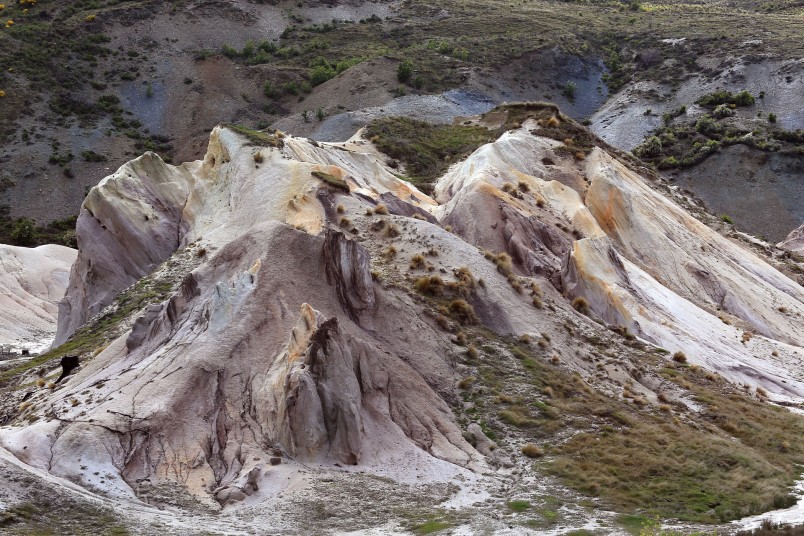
287, 336
90, 84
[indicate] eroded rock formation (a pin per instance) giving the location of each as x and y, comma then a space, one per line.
300, 338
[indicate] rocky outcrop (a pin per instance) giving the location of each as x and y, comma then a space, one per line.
32, 281
688, 257
348, 267
794, 241
128, 225
342, 388
639, 260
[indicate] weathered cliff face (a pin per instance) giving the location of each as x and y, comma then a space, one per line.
300, 336
128, 225
32, 281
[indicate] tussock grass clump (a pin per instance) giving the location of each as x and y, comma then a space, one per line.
503, 262
417, 262
381, 209
532, 451
472, 352
462, 311
460, 339
258, 158
465, 277
443, 322
466, 382
514, 282
516, 416
389, 253
392, 231
581, 305
680, 357
429, 285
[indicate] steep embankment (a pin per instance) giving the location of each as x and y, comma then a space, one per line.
308, 314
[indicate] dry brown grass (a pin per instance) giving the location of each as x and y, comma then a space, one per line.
417, 262
462, 311
532, 451
516, 416
680, 357
389, 253
466, 382
429, 285
392, 231
581, 305
504, 263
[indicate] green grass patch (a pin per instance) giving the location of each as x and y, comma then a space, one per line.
44, 516
425, 149
551, 516
331, 179
633, 524
518, 506
431, 527
257, 137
